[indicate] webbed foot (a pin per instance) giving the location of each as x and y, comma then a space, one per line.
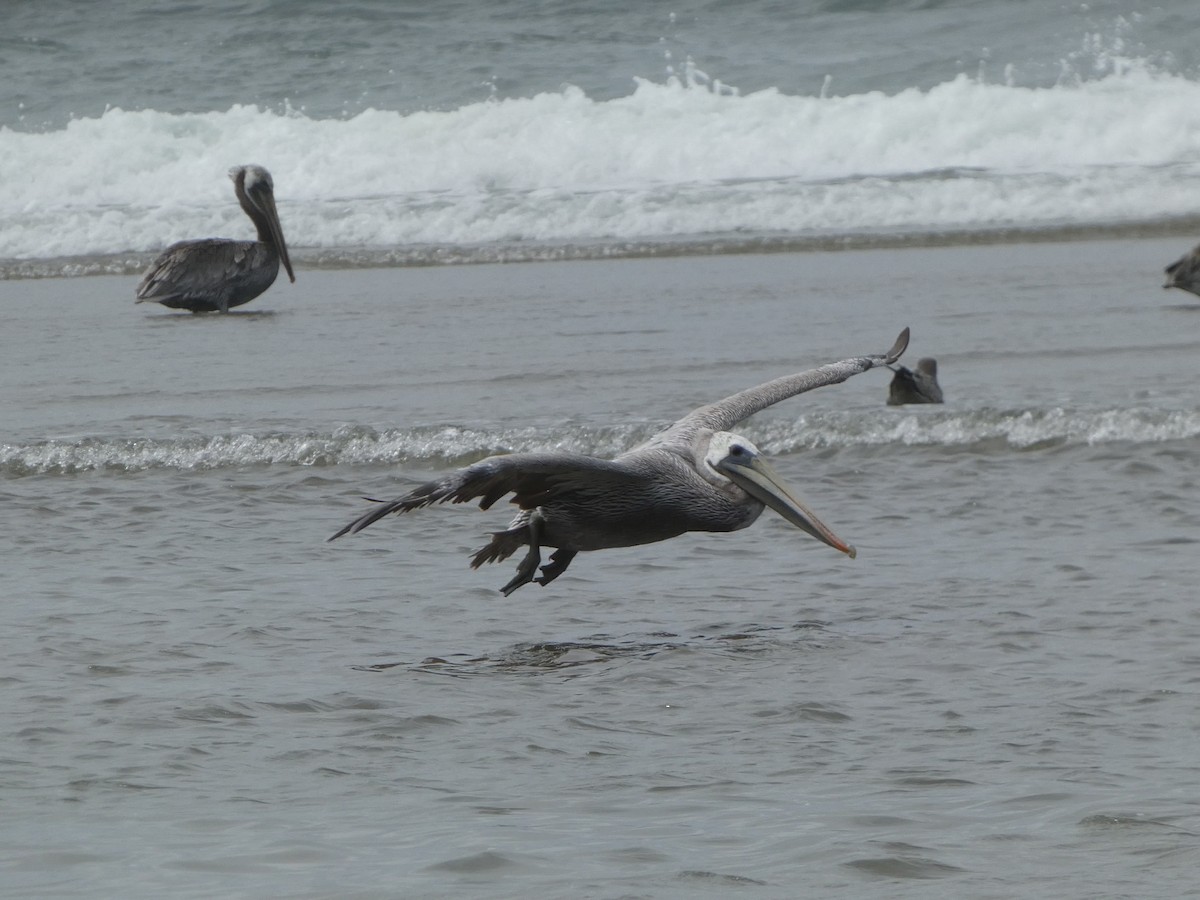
559, 560
533, 558
525, 570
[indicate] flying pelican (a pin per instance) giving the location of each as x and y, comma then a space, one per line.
694, 476
920, 386
214, 274
1185, 272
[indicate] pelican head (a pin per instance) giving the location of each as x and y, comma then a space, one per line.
256, 192
732, 457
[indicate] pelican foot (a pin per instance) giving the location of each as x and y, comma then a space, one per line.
532, 559
559, 560
525, 571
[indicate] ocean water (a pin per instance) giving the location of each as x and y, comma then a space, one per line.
518, 130
997, 698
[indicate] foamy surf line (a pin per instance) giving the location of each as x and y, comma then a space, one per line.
1183, 230
560, 175
440, 446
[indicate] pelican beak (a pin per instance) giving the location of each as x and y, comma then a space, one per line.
267, 202
756, 477
262, 198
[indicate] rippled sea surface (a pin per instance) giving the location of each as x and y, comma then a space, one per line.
997, 698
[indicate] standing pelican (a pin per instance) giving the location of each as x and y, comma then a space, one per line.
215, 274
920, 386
694, 476
1185, 272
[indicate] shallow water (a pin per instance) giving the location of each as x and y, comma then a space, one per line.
995, 699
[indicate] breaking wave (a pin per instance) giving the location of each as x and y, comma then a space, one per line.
671, 167
979, 431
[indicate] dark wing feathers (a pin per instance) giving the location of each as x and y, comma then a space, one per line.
212, 272
532, 479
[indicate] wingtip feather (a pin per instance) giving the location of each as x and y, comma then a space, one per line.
898, 348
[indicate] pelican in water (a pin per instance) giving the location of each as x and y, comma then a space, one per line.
1185, 272
216, 274
694, 476
920, 386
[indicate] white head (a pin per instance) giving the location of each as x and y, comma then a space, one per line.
726, 448
730, 458
254, 177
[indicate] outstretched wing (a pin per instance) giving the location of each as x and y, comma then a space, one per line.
725, 414
532, 479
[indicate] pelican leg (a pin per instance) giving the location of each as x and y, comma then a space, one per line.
533, 558
559, 560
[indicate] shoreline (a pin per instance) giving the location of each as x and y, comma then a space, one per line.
433, 256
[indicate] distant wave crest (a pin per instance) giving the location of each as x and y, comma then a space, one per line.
979, 431
561, 173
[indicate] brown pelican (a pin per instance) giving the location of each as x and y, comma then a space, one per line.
694, 476
215, 274
1185, 272
920, 386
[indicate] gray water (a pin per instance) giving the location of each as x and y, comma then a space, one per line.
332, 60
997, 698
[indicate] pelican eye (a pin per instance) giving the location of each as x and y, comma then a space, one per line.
737, 450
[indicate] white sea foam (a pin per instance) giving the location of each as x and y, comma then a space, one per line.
667, 161
983, 431
1021, 429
